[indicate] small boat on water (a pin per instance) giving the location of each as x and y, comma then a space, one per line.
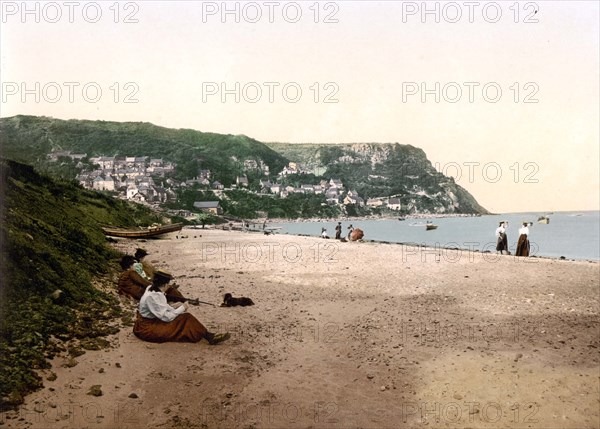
151, 231
544, 220
401, 218
430, 226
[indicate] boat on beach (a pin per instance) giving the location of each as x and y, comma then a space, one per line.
148, 232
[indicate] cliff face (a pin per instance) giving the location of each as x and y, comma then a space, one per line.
384, 170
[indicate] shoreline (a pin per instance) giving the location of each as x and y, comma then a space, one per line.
409, 244
370, 217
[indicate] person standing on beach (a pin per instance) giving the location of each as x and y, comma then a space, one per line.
501, 239
159, 322
350, 229
523, 243
338, 231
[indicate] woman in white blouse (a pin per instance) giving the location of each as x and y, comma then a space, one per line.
159, 322
523, 243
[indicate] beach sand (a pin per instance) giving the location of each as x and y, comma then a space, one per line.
346, 335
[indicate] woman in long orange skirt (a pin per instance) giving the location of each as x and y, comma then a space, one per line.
159, 322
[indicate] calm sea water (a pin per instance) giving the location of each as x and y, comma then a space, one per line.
574, 235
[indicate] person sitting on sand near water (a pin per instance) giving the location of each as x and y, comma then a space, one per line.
159, 322
133, 285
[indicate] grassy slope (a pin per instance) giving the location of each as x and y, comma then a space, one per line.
51, 239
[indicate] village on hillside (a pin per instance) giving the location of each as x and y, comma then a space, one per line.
148, 181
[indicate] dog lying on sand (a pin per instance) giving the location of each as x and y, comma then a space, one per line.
230, 301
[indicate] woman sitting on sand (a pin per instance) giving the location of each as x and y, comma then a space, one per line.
144, 269
159, 322
130, 282
133, 285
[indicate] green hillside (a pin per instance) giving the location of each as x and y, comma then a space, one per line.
51, 241
29, 139
373, 170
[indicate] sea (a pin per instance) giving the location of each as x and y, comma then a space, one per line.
572, 235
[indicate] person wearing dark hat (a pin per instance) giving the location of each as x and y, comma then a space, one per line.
159, 322
144, 269
338, 231
132, 284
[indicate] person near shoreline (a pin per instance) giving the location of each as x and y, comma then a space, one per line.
523, 242
338, 231
350, 229
501, 238
159, 322
324, 233
133, 285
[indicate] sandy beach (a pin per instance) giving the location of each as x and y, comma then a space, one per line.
345, 335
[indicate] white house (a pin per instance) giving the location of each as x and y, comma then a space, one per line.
374, 202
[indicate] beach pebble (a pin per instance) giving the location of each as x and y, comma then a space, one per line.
95, 390
382, 388
70, 363
133, 395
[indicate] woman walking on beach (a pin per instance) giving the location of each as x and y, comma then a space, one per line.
523, 243
159, 322
501, 238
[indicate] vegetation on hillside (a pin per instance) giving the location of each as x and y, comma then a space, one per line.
372, 170
29, 139
384, 170
52, 247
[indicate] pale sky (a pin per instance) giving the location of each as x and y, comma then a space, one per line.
370, 59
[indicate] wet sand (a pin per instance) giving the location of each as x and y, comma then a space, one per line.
346, 335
